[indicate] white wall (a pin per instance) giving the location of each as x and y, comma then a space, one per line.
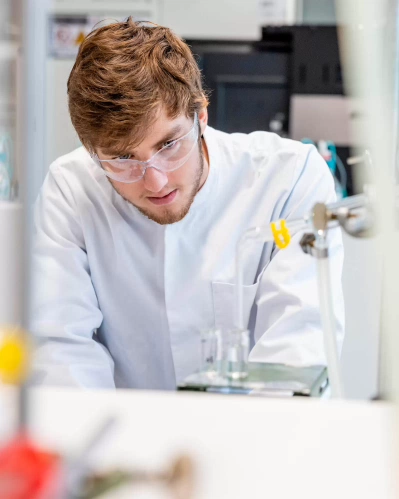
61, 136
213, 19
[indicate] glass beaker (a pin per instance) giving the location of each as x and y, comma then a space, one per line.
233, 354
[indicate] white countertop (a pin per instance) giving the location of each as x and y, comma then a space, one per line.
243, 447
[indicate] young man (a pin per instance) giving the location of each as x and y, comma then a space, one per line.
136, 231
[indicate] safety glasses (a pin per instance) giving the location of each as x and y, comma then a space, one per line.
172, 156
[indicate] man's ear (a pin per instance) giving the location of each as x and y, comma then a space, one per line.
203, 119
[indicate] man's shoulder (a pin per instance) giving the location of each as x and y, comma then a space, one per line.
257, 143
75, 175
70, 161
243, 157
76, 171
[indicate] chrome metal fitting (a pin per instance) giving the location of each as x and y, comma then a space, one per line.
308, 245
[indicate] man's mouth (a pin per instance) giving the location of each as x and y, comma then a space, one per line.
168, 199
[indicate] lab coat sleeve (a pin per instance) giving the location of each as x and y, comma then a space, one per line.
64, 308
288, 324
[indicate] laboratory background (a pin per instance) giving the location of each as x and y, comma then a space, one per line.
323, 72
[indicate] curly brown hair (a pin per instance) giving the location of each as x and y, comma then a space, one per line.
124, 74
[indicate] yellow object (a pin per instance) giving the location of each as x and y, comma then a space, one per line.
13, 356
80, 38
282, 236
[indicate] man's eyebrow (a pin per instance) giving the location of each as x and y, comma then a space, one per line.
172, 134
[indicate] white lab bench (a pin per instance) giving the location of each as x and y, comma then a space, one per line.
243, 447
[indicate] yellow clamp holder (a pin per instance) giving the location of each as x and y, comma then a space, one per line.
14, 356
282, 236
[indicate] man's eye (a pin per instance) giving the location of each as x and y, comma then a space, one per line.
169, 144
125, 156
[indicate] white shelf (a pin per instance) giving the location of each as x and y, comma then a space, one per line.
94, 6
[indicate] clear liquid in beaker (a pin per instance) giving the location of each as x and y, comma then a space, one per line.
236, 351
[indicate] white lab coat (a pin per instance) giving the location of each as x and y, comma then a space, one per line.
120, 301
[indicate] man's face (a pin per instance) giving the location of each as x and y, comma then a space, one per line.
165, 197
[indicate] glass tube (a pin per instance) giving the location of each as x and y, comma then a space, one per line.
328, 322
210, 340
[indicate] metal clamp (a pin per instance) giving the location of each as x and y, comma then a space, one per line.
308, 245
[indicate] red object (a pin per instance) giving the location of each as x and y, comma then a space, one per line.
27, 472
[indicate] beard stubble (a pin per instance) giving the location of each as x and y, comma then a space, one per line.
165, 216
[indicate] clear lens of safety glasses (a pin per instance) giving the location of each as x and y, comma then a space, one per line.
171, 157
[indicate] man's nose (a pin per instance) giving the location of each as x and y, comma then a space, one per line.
154, 180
